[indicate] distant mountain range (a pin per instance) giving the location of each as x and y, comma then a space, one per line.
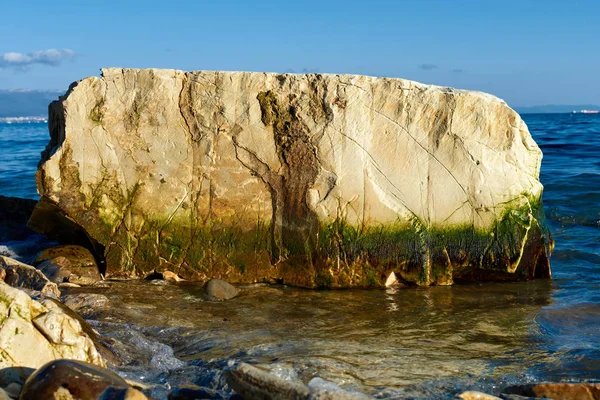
34, 103
555, 109
26, 103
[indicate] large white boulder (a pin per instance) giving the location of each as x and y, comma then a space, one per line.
313, 180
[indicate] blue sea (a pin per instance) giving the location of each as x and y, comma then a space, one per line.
417, 343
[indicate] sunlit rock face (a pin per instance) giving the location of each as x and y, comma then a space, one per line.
311, 180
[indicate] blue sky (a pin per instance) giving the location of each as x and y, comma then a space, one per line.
527, 52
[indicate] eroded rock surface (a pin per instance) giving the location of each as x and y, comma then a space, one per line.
311, 180
32, 334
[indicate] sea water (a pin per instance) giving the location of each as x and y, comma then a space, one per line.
412, 343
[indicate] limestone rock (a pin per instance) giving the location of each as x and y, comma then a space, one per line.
82, 266
25, 276
80, 380
311, 180
31, 335
565, 391
220, 290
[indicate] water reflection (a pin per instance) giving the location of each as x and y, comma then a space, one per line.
385, 343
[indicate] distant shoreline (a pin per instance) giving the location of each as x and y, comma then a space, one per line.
23, 120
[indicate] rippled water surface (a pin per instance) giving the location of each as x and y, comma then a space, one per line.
415, 343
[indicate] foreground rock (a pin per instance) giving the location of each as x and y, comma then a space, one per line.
217, 289
31, 334
311, 180
564, 391
25, 276
80, 380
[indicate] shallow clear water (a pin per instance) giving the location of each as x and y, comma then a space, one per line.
415, 343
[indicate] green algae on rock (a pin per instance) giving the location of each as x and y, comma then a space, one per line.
310, 180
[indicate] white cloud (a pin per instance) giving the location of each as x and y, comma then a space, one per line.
52, 57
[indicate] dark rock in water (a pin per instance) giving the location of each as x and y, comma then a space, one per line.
80, 380
83, 266
252, 384
113, 393
25, 276
194, 392
14, 214
565, 391
219, 289
57, 269
88, 305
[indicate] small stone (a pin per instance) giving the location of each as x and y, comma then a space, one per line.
88, 305
56, 269
219, 289
391, 281
80, 380
171, 277
565, 391
474, 395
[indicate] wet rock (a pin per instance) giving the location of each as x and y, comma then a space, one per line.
14, 213
565, 391
113, 393
81, 263
193, 392
252, 384
80, 380
473, 395
57, 269
32, 334
220, 290
88, 305
25, 276
307, 171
